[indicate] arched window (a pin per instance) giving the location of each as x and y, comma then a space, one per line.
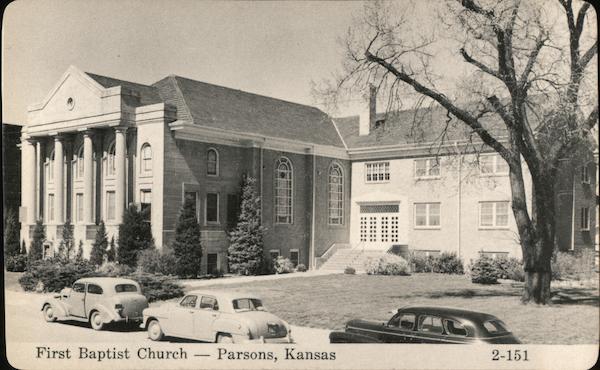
146, 158
284, 175
336, 194
78, 162
212, 162
110, 160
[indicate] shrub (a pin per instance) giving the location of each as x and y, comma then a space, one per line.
113, 269
267, 267
52, 275
421, 262
16, 263
509, 268
187, 247
448, 263
111, 253
483, 271
301, 267
135, 235
218, 273
283, 265
100, 245
153, 261
388, 264
349, 270
573, 266
11, 235
36, 249
157, 287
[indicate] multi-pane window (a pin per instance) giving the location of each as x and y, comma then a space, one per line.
50, 207
146, 203
427, 168
212, 207
585, 174
427, 215
79, 207
283, 191
493, 214
585, 218
295, 257
78, 163
274, 254
146, 158
336, 195
212, 162
110, 160
193, 196
492, 164
50, 167
110, 205
377, 171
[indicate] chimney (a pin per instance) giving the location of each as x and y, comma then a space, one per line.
367, 117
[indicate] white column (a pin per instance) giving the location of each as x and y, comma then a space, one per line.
88, 174
120, 142
27, 185
38, 179
59, 161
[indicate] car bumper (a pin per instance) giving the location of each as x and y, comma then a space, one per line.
288, 339
137, 319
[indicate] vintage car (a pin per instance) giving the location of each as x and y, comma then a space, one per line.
216, 317
99, 300
428, 325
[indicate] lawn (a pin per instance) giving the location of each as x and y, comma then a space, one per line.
329, 301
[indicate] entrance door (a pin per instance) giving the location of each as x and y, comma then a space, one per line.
379, 224
211, 263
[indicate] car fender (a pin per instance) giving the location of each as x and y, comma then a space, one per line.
229, 326
59, 307
108, 315
345, 337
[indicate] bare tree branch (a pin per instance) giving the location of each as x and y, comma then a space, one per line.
479, 65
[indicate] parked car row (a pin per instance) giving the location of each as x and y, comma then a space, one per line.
224, 317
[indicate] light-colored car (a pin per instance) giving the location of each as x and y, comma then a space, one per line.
99, 301
221, 317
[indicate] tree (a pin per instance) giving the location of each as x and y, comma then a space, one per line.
100, 245
67, 244
79, 256
135, 235
519, 70
36, 249
11, 234
23, 248
246, 240
111, 254
187, 247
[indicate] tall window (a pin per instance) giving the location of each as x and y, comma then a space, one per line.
492, 164
585, 218
146, 158
427, 168
212, 208
585, 174
78, 162
493, 214
283, 191
427, 215
193, 196
146, 203
378, 171
212, 162
79, 207
50, 167
50, 207
110, 205
110, 160
336, 195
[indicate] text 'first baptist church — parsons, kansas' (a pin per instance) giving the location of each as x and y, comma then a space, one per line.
357, 184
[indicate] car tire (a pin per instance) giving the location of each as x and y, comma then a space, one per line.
49, 313
224, 338
96, 321
155, 331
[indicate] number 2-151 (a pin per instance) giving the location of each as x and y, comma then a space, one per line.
510, 355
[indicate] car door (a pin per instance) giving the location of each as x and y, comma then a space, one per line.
94, 295
181, 321
430, 329
205, 317
400, 329
76, 300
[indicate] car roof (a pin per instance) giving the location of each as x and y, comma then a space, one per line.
106, 281
450, 312
224, 295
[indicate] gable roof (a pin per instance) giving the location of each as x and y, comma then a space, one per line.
148, 94
243, 112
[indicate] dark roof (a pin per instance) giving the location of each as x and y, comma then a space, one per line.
234, 110
457, 313
148, 94
412, 126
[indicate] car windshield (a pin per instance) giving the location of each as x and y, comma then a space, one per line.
125, 288
495, 327
248, 304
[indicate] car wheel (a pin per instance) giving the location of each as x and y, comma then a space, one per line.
224, 338
96, 321
49, 313
155, 331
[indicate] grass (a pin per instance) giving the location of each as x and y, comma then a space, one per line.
329, 301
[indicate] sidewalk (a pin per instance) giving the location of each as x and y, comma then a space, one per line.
196, 283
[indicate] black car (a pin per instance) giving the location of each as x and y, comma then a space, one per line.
428, 325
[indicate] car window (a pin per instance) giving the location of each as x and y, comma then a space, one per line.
248, 304
495, 327
189, 301
455, 328
404, 321
209, 303
430, 324
125, 288
79, 287
94, 289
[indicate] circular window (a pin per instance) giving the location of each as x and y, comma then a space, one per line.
70, 103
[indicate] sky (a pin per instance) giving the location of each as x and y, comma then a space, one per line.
270, 48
